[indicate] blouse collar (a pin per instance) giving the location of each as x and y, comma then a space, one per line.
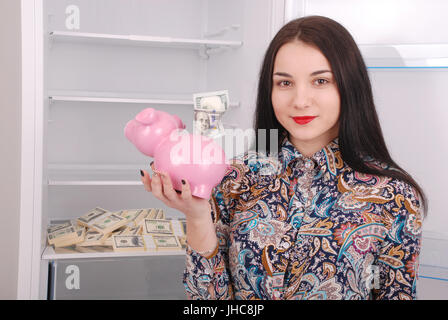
327, 158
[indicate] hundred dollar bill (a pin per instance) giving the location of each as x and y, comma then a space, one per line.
62, 235
132, 231
118, 232
208, 110
80, 235
213, 100
155, 213
134, 216
128, 243
93, 238
109, 223
55, 227
168, 242
87, 219
160, 214
157, 227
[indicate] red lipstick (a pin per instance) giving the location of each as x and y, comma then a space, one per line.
303, 120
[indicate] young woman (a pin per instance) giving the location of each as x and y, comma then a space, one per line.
339, 220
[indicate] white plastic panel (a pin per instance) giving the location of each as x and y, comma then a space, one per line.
381, 21
391, 34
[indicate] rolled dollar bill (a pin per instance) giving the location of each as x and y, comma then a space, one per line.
208, 110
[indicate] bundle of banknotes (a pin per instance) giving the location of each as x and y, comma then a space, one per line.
121, 231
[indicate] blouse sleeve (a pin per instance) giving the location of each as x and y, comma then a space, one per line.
202, 271
397, 261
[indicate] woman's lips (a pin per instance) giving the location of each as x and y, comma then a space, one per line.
303, 120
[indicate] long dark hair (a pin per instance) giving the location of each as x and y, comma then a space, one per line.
360, 132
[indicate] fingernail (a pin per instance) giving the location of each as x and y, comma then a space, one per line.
183, 181
141, 173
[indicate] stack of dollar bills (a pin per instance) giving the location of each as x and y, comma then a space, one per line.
101, 230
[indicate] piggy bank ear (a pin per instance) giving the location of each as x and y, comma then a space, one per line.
147, 116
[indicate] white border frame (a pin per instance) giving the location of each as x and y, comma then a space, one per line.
28, 282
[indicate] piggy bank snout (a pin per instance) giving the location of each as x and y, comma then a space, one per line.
129, 130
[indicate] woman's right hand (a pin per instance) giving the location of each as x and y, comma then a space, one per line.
194, 208
201, 234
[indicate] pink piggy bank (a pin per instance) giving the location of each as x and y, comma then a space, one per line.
195, 158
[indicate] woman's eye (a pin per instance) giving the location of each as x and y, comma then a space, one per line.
321, 81
284, 83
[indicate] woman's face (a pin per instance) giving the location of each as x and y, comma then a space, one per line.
303, 85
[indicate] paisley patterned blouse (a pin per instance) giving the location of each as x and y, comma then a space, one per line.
308, 228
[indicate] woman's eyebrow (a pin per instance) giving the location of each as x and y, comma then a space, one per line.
287, 75
283, 74
319, 72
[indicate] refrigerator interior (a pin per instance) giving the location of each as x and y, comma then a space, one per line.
405, 48
100, 75
106, 60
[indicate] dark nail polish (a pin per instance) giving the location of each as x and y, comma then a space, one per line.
183, 181
141, 173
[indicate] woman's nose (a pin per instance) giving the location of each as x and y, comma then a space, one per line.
301, 97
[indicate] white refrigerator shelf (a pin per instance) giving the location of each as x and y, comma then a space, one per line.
145, 40
94, 175
50, 254
133, 98
425, 55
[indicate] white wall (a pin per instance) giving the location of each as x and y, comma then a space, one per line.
10, 137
